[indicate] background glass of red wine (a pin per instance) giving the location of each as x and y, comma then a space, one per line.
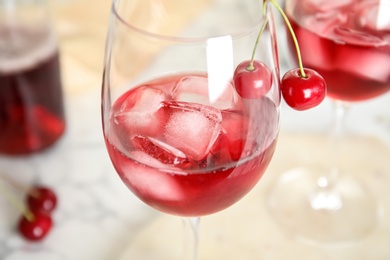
31, 100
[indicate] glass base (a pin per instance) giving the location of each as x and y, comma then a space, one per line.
343, 215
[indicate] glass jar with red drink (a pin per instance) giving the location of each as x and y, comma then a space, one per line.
31, 99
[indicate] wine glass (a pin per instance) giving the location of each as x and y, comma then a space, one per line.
178, 133
348, 43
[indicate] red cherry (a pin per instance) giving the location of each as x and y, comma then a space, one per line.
36, 228
303, 93
41, 198
252, 83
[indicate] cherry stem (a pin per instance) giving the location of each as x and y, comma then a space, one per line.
30, 191
250, 66
16, 202
296, 44
303, 74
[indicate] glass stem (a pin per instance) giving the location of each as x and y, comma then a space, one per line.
340, 110
327, 198
191, 238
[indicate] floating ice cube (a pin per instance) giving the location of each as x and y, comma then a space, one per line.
368, 62
191, 128
373, 15
165, 154
233, 138
356, 37
151, 182
318, 52
235, 125
314, 6
196, 89
138, 111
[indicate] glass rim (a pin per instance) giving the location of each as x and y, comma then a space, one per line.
185, 39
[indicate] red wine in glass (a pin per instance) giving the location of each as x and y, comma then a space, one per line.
347, 46
186, 158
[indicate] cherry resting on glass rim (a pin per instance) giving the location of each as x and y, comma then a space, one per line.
186, 158
252, 83
41, 198
303, 93
37, 228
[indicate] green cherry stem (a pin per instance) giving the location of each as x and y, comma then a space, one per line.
15, 202
250, 66
264, 24
275, 3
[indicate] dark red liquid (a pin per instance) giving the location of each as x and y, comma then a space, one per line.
195, 194
31, 108
183, 180
353, 58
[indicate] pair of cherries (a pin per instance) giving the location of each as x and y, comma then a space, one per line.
36, 221
301, 88
300, 92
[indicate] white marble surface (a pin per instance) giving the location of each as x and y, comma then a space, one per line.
97, 217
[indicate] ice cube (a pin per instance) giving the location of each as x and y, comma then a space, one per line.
165, 154
138, 111
191, 128
317, 51
315, 6
235, 125
233, 137
364, 60
152, 183
247, 131
373, 15
196, 89
356, 37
